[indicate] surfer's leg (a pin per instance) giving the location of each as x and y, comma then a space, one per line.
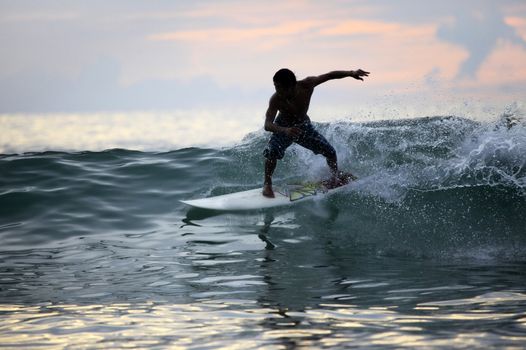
270, 166
275, 150
318, 144
332, 162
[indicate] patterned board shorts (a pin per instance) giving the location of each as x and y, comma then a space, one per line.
310, 139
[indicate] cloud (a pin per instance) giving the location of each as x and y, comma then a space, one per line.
237, 35
504, 64
315, 29
38, 16
477, 31
380, 28
473, 25
519, 24
311, 45
125, 55
97, 88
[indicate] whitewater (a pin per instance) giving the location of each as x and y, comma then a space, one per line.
426, 250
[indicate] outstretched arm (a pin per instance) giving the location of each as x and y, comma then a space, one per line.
338, 74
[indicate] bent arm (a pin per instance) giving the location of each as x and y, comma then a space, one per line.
269, 118
272, 111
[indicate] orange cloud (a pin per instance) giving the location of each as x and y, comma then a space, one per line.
519, 24
396, 52
360, 27
504, 65
237, 34
315, 28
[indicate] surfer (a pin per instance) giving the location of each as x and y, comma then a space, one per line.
292, 124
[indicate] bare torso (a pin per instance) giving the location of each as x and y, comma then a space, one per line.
293, 110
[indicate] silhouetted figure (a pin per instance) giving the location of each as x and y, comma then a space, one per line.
292, 124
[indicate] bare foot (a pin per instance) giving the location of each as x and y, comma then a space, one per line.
339, 180
267, 191
331, 183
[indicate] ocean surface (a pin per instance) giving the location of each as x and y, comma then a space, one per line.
426, 250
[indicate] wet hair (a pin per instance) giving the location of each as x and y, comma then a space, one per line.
285, 77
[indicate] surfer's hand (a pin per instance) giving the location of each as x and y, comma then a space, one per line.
294, 133
358, 74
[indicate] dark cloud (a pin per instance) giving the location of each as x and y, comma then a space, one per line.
476, 25
479, 31
97, 88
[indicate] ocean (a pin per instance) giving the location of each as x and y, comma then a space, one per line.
426, 250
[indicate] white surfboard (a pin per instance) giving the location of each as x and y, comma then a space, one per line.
254, 199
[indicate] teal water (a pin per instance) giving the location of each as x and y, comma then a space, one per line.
426, 250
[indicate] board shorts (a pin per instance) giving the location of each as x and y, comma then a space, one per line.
310, 139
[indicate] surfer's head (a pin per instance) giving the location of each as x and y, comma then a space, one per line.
284, 81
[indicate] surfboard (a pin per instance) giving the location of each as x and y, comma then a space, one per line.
284, 195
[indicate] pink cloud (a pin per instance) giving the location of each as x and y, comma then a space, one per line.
519, 23
234, 35
315, 28
361, 27
398, 53
504, 65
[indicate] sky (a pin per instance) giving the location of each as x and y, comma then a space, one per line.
60, 56
97, 56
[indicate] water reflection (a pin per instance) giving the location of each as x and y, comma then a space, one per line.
263, 233
246, 324
269, 279
321, 290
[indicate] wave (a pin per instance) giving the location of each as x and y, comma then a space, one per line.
445, 182
425, 154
